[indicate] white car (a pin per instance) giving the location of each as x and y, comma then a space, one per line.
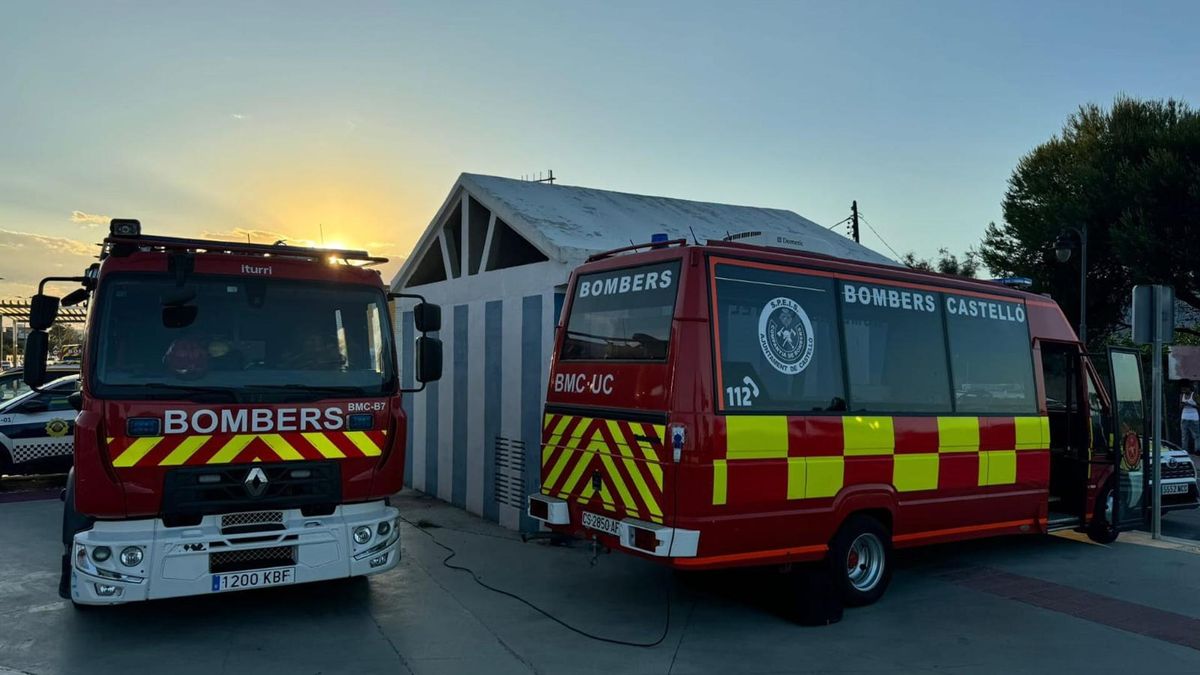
1179, 490
37, 430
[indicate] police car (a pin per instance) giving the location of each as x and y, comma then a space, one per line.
37, 429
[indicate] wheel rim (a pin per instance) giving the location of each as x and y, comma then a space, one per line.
864, 562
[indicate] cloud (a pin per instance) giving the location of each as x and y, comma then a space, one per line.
239, 116
28, 257
89, 219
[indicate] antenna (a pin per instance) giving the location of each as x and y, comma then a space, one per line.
695, 239
321, 226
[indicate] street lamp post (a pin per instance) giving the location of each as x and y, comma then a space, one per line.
1063, 246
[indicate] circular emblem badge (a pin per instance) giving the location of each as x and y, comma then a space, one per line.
57, 428
1132, 452
785, 335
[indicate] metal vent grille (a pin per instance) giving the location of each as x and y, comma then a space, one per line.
252, 518
510, 472
251, 559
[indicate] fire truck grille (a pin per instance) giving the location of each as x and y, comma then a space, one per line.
227, 488
254, 521
1180, 470
251, 559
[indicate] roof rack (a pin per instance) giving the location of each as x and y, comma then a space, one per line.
635, 247
181, 244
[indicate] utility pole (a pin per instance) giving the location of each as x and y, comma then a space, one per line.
854, 220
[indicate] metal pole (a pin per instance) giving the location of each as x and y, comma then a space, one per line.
1083, 246
1156, 417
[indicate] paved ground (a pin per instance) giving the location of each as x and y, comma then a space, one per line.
1033, 604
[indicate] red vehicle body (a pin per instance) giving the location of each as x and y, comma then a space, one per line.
240, 421
655, 443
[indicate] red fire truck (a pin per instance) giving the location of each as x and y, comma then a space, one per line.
239, 422
732, 405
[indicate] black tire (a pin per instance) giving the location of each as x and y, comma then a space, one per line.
1101, 529
73, 523
860, 559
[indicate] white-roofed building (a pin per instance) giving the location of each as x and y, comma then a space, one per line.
497, 257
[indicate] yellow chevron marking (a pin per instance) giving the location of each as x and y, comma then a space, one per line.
363, 442
652, 459
555, 435
323, 445
584, 458
281, 447
615, 477
635, 474
231, 449
136, 451
563, 459
184, 451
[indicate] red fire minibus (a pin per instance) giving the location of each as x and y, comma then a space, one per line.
729, 405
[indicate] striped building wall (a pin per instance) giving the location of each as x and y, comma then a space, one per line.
474, 437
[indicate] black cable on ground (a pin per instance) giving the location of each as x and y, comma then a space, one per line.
579, 631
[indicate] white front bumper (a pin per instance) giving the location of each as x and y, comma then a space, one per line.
176, 559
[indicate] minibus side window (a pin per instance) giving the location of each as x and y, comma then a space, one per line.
779, 346
895, 349
990, 356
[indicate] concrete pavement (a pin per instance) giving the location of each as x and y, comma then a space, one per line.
1032, 604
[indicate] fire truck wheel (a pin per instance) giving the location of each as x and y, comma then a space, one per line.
861, 559
1101, 529
73, 522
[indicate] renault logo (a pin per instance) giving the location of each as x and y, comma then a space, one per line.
256, 482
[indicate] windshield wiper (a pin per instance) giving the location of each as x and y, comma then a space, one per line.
317, 389
229, 392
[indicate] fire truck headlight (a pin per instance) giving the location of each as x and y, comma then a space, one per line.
362, 534
131, 556
384, 528
101, 554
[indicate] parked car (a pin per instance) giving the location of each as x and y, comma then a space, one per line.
1179, 488
37, 430
12, 382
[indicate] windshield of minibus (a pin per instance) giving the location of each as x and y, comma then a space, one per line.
157, 339
622, 315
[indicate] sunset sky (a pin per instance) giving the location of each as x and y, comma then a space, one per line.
280, 119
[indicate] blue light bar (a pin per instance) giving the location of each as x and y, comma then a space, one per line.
658, 238
360, 422
143, 426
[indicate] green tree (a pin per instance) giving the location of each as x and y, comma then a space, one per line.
61, 335
945, 263
1131, 173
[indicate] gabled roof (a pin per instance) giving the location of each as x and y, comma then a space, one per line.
569, 223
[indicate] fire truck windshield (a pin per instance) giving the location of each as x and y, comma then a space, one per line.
273, 338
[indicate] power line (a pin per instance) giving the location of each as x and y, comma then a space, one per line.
879, 236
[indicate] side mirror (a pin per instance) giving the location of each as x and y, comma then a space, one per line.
429, 359
42, 311
37, 348
427, 317
75, 297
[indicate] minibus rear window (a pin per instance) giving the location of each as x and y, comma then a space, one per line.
622, 315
